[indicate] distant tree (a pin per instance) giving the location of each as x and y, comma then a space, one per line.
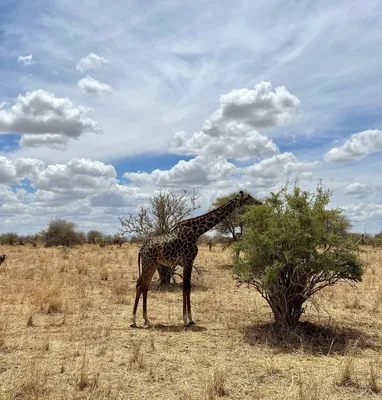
167, 207
80, 238
10, 238
62, 233
94, 237
293, 247
378, 239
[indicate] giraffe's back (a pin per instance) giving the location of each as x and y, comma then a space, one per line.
169, 250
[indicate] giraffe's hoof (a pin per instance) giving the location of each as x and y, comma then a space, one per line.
133, 325
191, 323
147, 324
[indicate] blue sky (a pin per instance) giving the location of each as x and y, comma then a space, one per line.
99, 106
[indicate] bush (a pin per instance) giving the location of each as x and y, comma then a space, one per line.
94, 237
62, 233
293, 247
10, 238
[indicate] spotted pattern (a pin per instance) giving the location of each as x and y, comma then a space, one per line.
178, 247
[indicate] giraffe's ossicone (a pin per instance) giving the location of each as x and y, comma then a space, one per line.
178, 247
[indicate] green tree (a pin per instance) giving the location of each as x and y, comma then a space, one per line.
293, 247
378, 239
62, 233
9, 238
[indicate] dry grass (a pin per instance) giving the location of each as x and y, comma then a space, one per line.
64, 333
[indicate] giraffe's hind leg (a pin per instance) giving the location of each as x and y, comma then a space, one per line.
143, 283
137, 296
145, 289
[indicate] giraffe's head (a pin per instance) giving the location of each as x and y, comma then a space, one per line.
3, 257
247, 199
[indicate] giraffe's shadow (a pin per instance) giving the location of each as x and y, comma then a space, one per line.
197, 286
177, 328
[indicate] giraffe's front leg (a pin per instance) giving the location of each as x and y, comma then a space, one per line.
187, 315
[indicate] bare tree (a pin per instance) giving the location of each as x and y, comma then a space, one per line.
166, 208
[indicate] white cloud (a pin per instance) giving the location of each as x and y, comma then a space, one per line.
199, 171
42, 113
362, 211
51, 140
357, 147
361, 190
231, 130
91, 62
25, 60
277, 168
92, 86
7, 171
78, 176
13, 171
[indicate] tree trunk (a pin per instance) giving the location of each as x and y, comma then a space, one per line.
287, 312
165, 274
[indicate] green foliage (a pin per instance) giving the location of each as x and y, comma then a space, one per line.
232, 225
378, 240
10, 238
62, 233
293, 247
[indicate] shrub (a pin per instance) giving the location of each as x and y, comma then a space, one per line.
62, 233
293, 247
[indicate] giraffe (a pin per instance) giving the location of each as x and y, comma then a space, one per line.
2, 258
178, 247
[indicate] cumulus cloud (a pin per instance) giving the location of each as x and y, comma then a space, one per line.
118, 196
92, 86
7, 171
82, 176
231, 131
360, 190
42, 113
91, 62
199, 171
362, 211
357, 147
13, 171
235, 142
277, 168
25, 60
51, 140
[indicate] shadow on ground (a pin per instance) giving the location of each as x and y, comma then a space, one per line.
197, 286
311, 338
177, 328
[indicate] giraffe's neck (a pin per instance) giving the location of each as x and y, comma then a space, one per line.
202, 224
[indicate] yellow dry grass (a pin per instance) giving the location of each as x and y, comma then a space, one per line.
64, 333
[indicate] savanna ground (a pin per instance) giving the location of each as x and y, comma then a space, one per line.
64, 333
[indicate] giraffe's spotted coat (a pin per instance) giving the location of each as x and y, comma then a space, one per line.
178, 247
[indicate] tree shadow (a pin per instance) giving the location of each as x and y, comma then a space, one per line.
177, 328
311, 338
